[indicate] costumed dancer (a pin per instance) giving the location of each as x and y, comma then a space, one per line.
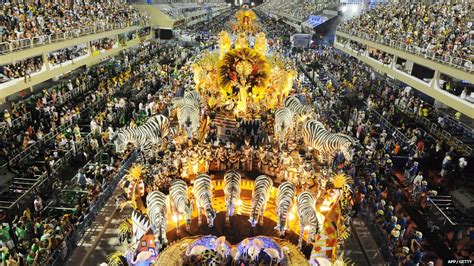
221, 158
247, 158
285, 163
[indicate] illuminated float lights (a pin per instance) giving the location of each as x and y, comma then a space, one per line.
328, 213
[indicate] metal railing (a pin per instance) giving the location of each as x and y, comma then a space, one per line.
17, 45
44, 177
94, 210
23, 122
442, 134
390, 129
48, 137
465, 65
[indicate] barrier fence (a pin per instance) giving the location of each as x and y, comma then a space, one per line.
48, 137
18, 204
442, 133
59, 255
465, 65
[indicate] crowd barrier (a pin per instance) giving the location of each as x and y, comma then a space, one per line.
59, 255
46, 138
17, 122
23, 121
20, 202
465, 65
380, 238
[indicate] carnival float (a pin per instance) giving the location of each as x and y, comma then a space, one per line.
240, 173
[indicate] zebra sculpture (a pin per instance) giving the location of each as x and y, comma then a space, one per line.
157, 206
232, 180
260, 196
180, 201
172, 133
161, 123
283, 124
189, 119
191, 96
144, 136
202, 190
307, 216
188, 112
284, 202
326, 143
300, 112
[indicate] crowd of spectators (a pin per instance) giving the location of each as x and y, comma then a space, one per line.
181, 11
26, 20
21, 69
34, 237
275, 30
300, 10
70, 53
443, 29
103, 44
381, 190
446, 83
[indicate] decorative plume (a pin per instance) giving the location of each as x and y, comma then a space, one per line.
117, 258
135, 172
340, 180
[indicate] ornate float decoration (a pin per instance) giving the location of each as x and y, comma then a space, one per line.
240, 76
239, 82
245, 22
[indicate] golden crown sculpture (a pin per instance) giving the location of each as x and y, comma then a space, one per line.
245, 22
242, 78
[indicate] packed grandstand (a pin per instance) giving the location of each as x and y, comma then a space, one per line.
225, 133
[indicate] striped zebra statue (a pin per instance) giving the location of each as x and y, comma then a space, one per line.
307, 216
144, 136
300, 112
157, 210
326, 143
260, 195
161, 123
202, 190
188, 112
284, 202
283, 124
232, 181
181, 205
191, 96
